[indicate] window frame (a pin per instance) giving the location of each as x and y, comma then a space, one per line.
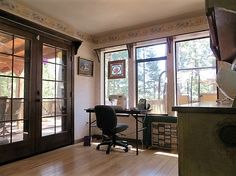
189, 38
104, 71
137, 61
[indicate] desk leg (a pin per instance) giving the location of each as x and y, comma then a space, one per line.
136, 118
89, 128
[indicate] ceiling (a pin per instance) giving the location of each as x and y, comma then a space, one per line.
100, 16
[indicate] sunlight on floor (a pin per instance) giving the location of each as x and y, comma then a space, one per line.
129, 146
166, 154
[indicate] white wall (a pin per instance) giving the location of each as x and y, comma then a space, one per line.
84, 91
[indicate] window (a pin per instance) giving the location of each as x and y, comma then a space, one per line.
115, 84
151, 76
195, 71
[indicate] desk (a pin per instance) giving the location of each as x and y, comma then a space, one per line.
134, 113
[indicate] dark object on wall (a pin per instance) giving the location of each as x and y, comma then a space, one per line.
85, 67
116, 69
227, 135
222, 24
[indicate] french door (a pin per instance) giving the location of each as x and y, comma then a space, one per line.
35, 93
54, 93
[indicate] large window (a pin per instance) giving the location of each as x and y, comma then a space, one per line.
113, 85
151, 76
196, 71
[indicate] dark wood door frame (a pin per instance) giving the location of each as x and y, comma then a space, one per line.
32, 30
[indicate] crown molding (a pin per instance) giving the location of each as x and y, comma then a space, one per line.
178, 27
174, 28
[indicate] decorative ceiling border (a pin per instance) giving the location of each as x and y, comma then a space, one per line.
153, 32
112, 39
15, 8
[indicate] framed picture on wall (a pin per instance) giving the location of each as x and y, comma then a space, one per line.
116, 69
85, 67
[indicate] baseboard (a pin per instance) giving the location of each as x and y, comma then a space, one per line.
78, 141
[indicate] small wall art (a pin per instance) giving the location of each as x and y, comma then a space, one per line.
116, 69
85, 67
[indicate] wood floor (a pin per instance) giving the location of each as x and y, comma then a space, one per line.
77, 160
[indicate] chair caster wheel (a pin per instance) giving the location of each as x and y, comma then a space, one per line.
126, 149
98, 147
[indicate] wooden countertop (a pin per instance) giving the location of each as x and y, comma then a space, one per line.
206, 107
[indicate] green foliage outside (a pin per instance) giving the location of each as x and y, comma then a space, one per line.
116, 86
151, 76
195, 68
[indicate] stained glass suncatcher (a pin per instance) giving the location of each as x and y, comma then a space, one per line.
116, 69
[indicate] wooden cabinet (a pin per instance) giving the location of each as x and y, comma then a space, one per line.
222, 24
202, 152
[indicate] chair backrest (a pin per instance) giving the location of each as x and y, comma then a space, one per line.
3, 103
106, 117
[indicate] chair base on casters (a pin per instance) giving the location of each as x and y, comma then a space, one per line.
113, 142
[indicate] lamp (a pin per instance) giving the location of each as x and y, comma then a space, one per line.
226, 79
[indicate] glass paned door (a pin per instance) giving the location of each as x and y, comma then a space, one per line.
14, 88
54, 107
54, 95
35, 91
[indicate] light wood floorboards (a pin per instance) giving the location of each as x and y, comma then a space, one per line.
77, 160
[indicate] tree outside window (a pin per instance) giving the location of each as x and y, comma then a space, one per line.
196, 71
151, 76
116, 86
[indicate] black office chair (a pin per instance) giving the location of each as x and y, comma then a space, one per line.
107, 122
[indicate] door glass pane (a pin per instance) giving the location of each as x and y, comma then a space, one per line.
5, 64
60, 73
59, 124
13, 86
18, 130
14, 109
6, 43
53, 89
49, 54
60, 88
48, 89
48, 126
18, 88
48, 107
5, 86
60, 106
19, 45
48, 71
61, 56
18, 66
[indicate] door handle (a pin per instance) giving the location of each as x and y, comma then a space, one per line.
38, 99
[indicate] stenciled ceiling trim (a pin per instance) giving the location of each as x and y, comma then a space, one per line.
15, 8
143, 34
179, 27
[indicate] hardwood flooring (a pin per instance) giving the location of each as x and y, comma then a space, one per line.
78, 160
